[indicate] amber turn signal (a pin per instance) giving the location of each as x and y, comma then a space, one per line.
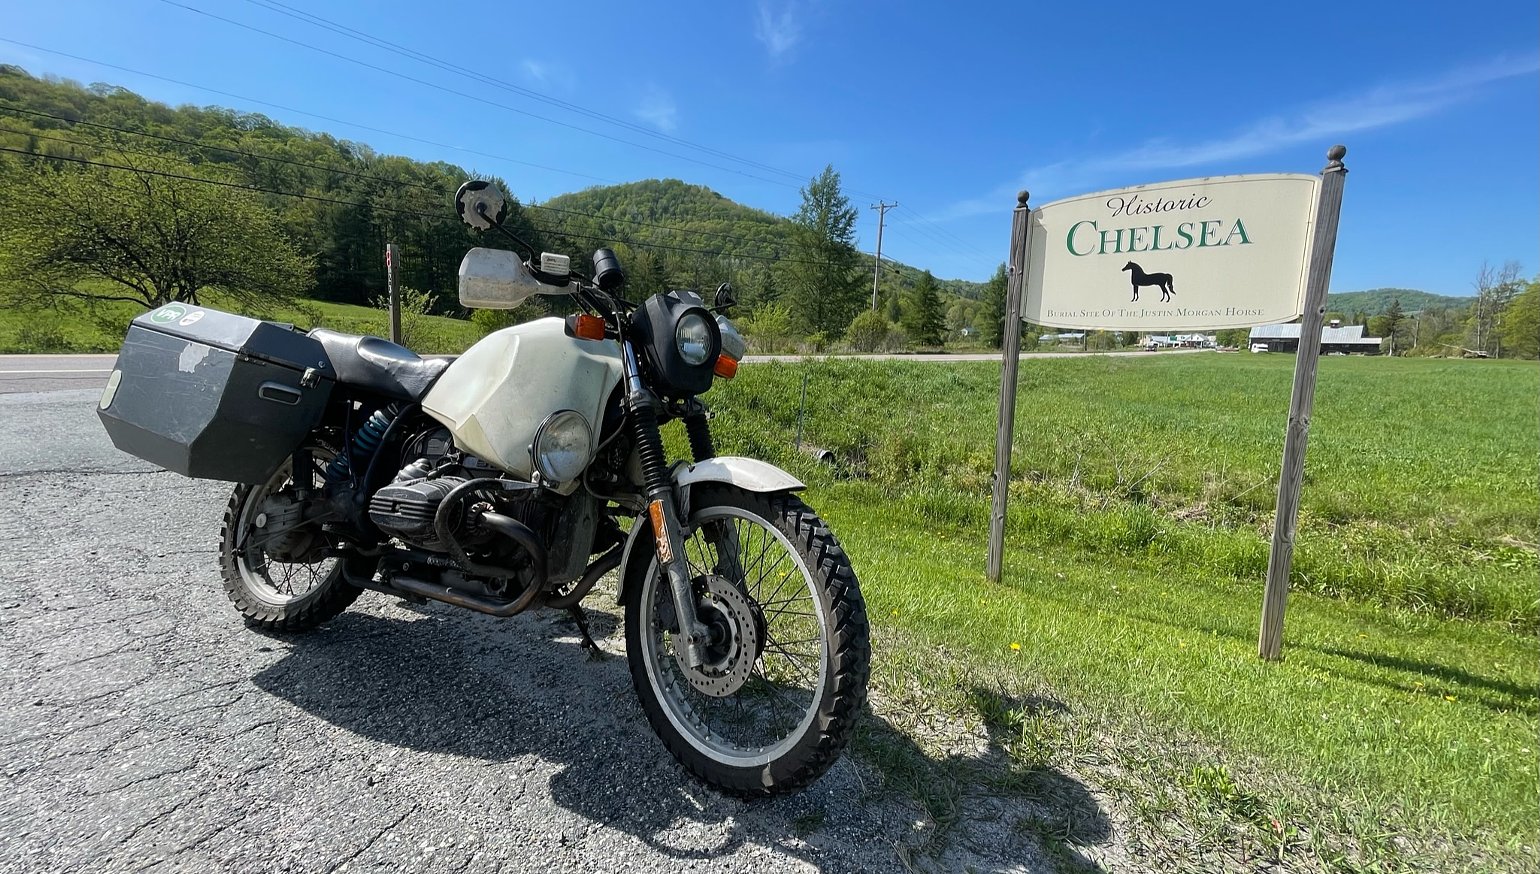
585, 327
725, 367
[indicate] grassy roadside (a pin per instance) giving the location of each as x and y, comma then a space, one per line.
1398, 734
1421, 487
1378, 724
71, 327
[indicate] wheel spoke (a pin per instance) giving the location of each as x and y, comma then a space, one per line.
261, 569
775, 704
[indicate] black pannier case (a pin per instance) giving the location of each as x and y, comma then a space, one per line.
213, 395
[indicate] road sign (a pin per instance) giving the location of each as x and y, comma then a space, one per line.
1196, 254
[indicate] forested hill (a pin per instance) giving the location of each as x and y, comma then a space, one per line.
333, 204
1376, 301
670, 215
671, 212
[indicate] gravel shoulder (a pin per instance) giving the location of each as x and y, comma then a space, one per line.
144, 726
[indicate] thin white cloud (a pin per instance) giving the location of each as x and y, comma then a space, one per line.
548, 76
658, 109
779, 31
1375, 108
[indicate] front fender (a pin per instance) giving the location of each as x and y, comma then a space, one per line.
749, 474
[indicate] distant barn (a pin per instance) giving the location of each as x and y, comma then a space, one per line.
1335, 338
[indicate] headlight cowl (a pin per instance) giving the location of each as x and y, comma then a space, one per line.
679, 340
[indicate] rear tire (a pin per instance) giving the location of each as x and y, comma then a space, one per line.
818, 682
262, 586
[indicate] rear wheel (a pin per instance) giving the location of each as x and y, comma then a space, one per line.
278, 570
785, 677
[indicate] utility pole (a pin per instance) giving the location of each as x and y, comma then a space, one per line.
882, 213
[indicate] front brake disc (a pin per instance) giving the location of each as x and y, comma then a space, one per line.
731, 660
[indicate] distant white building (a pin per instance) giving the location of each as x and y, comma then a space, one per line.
1179, 341
1335, 337
1076, 337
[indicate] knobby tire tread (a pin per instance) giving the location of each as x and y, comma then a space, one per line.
336, 596
850, 647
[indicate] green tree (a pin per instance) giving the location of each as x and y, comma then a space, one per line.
1236, 337
924, 319
868, 331
1495, 290
1520, 329
823, 280
1392, 324
142, 237
992, 310
768, 328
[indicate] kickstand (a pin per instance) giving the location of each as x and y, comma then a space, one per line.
581, 619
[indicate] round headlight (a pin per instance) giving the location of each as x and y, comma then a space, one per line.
694, 340
563, 446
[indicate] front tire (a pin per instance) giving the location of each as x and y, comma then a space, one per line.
287, 582
778, 703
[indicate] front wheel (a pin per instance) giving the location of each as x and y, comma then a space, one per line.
786, 673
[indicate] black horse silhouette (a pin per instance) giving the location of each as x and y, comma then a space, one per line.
1163, 280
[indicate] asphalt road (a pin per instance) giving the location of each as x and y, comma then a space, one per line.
46, 373
142, 726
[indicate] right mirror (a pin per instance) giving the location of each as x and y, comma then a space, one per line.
480, 204
725, 298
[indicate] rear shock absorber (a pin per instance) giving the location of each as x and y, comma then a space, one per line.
366, 441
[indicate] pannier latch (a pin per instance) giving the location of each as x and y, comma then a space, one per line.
310, 378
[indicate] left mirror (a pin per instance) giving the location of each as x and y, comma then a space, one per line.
480, 204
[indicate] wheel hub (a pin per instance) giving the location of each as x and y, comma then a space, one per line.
279, 521
735, 640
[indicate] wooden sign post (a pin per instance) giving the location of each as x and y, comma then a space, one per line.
1270, 638
393, 285
1010, 359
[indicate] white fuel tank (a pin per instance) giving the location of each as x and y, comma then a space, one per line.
494, 396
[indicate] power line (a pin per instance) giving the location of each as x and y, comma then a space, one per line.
269, 103
352, 124
210, 147
939, 233
330, 169
206, 181
380, 42
375, 207
467, 95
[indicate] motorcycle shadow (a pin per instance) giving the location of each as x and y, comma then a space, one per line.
521, 696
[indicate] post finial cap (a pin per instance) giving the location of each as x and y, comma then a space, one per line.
1336, 153
1021, 198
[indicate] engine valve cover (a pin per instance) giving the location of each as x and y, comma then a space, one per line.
406, 509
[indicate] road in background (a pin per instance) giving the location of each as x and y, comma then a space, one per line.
44, 373
26, 373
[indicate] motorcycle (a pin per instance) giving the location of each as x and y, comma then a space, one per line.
514, 477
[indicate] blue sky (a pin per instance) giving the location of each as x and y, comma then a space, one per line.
947, 108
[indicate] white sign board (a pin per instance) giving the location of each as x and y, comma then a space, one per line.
1200, 254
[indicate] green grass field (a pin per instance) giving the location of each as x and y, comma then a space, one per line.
1399, 731
71, 327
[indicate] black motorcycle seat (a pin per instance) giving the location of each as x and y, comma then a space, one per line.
379, 365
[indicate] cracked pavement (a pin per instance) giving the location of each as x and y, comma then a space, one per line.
143, 727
